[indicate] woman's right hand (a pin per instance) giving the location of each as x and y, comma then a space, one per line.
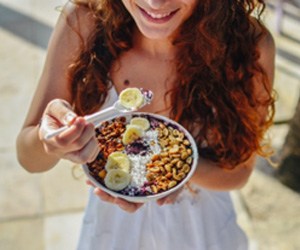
78, 143
127, 206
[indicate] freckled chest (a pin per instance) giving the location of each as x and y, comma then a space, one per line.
156, 75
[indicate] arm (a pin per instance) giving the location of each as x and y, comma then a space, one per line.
209, 175
34, 154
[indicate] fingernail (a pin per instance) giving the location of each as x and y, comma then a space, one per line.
120, 204
69, 118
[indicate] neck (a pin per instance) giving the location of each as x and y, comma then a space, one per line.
154, 48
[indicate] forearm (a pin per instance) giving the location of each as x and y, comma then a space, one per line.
31, 153
211, 176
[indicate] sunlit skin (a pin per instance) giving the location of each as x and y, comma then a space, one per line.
157, 23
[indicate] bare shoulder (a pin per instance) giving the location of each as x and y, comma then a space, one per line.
266, 43
267, 38
266, 60
80, 15
267, 50
77, 19
266, 47
70, 33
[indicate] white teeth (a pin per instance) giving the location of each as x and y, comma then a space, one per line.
158, 16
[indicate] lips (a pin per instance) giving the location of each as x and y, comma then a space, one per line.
158, 17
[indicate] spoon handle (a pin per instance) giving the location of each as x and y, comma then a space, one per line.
101, 115
104, 114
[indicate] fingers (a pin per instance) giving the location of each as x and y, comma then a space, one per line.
86, 154
79, 133
88, 182
76, 142
58, 113
170, 199
103, 195
165, 201
60, 110
129, 207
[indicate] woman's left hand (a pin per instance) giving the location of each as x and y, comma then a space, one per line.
170, 199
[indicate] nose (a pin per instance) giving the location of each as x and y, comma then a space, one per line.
156, 4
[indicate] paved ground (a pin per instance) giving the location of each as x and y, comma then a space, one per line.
44, 211
270, 212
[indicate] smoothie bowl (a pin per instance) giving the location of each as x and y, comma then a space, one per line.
142, 157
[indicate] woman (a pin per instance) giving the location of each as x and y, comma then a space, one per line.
210, 67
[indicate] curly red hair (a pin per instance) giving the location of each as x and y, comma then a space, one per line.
216, 65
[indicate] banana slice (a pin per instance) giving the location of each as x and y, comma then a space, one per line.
131, 98
141, 122
117, 179
118, 160
132, 133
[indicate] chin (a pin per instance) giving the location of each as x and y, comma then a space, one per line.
157, 35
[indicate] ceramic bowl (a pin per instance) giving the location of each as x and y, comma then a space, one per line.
160, 127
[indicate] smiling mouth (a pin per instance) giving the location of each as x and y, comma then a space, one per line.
158, 17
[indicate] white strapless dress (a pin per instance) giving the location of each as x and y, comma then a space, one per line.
199, 220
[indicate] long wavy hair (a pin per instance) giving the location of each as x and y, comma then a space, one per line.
216, 63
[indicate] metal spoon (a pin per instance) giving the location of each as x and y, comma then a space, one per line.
116, 109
